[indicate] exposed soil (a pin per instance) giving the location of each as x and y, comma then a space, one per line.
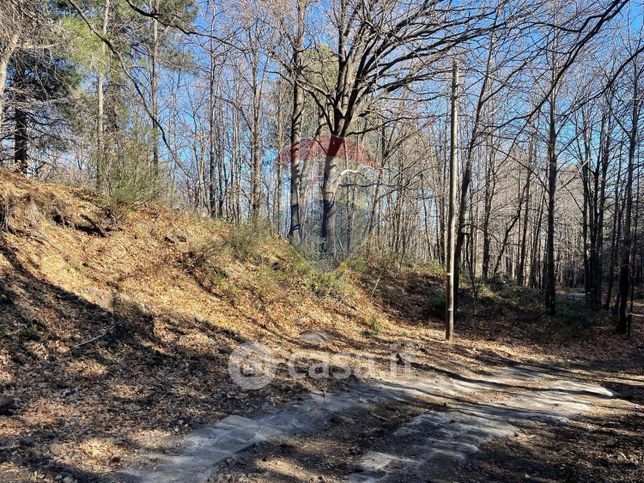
602, 447
329, 454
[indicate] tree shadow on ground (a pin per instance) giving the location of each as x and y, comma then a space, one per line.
587, 449
539, 448
88, 382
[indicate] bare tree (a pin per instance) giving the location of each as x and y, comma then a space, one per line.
380, 49
627, 248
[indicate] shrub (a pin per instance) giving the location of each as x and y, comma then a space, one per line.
294, 266
575, 316
326, 284
139, 189
436, 304
244, 241
356, 264
131, 180
375, 325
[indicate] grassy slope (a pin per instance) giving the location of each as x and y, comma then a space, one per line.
116, 325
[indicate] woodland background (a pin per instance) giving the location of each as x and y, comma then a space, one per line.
215, 106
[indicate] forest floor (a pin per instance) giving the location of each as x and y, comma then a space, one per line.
116, 328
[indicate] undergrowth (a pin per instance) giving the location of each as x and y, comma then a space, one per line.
524, 308
326, 284
375, 326
277, 266
436, 304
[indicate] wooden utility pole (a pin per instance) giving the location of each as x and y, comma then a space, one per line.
451, 231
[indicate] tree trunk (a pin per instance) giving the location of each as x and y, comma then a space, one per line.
21, 134
255, 176
154, 91
295, 230
21, 141
535, 263
605, 161
374, 204
329, 187
5, 57
101, 168
586, 217
212, 164
277, 215
526, 213
550, 293
625, 267
488, 197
